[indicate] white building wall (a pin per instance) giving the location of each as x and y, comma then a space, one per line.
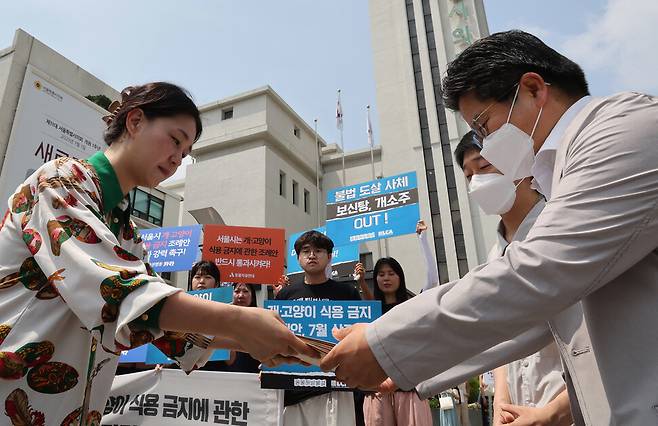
234, 184
280, 210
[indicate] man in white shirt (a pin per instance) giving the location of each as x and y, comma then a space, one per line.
596, 240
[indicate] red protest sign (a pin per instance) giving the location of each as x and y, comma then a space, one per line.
244, 254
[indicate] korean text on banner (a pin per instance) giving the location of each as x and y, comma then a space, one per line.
51, 121
315, 319
381, 208
170, 397
172, 249
244, 254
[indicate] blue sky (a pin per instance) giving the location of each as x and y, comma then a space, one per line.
307, 49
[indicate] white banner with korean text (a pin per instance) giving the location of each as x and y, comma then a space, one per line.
170, 397
51, 121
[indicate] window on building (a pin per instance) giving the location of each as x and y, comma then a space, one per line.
297, 132
282, 184
307, 201
295, 193
147, 206
227, 113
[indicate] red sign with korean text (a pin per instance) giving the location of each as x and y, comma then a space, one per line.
244, 254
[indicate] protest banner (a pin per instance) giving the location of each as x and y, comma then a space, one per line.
315, 319
372, 210
149, 354
343, 259
172, 249
170, 397
245, 254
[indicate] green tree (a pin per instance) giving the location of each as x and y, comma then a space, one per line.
100, 100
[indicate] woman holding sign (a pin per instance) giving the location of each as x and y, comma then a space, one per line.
239, 362
398, 407
75, 289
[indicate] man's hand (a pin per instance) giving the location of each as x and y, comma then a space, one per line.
352, 359
388, 386
517, 415
501, 417
421, 227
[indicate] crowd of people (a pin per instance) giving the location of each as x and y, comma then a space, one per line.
562, 306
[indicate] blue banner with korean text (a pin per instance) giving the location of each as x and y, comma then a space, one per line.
172, 249
315, 319
382, 208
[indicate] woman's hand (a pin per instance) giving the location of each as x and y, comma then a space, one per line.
282, 282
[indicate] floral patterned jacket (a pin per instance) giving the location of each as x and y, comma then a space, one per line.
74, 292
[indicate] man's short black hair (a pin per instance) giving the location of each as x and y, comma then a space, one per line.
315, 239
493, 65
468, 142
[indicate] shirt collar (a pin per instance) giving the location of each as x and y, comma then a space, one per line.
542, 168
525, 226
552, 142
110, 188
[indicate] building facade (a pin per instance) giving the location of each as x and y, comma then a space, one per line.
412, 42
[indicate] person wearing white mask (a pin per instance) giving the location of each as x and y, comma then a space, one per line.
595, 242
529, 389
533, 385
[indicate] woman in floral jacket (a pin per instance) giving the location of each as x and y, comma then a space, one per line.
74, 288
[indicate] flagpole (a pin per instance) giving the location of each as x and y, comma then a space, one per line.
371, 143
317, 171
339, 117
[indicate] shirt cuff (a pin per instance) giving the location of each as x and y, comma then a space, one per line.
384, 359
151, 318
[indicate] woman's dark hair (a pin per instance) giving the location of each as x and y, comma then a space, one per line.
493, 65
315, 239
204, 267
252, 289
157, 99
401, 294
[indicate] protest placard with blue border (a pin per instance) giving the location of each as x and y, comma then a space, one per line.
382, 208
172, 249
315, 319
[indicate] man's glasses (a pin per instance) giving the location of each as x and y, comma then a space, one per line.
480, 128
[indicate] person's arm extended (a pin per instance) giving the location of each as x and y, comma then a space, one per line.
600, 222
503, 353
501, 392
432, 277
267, 335
360, 276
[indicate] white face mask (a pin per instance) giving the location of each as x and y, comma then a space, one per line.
510, 149
493, 192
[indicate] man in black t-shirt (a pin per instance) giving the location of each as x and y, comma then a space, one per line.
317, 408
